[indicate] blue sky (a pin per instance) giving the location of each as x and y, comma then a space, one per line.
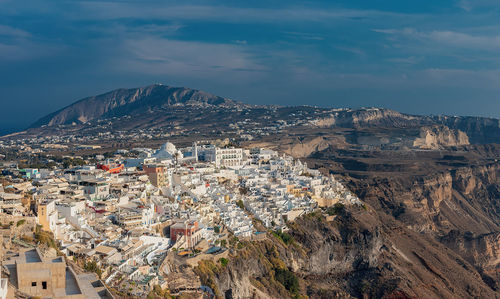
421, 57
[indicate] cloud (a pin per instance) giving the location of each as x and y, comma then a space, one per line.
465, 5
352, 50
304, 35
155, 55
25, 50
406, 60
220, 13
469, 5
464, 40
448, 38
485, 79
13, 32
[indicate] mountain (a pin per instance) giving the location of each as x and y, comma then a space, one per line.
133, 101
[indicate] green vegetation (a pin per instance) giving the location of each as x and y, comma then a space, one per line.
92, 266
288, 279
20, 222
223, 243
240, 204
43, 237
233, 241
223, 261
240, 245
216, 229
68, 162
336, 209
284, 236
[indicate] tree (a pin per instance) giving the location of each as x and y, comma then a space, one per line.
336, 209
240, 204
288, 279
93, 267
284, 236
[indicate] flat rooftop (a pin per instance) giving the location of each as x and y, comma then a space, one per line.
29, 256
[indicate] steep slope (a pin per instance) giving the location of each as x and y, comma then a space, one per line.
450, 195
361, 253
480, 130
122, 102
464, 199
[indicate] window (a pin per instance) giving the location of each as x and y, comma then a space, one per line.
33, 283
44, 285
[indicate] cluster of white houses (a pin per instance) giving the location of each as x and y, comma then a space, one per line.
127, 214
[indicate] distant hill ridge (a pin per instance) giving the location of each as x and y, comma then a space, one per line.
123, 101
158, 105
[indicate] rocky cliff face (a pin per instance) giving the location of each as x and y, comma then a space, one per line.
369, 117
438, 137
483, 251
358, 254
481, 130
464, 199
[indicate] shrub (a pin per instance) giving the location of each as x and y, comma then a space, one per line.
223, 261
20, 222
284, 236
233, 241
44, 237
288, 279
336, 209
93, 267
240, 204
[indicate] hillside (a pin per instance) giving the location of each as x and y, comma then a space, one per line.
132, 101
359, 254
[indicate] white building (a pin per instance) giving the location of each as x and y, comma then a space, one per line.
228, 157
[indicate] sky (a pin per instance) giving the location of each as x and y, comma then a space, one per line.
418, 57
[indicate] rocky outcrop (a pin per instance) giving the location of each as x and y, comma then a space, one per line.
483, 251
301, 147
481, 130
438, 137
367, 117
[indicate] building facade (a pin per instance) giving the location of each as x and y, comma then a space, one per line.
228, 157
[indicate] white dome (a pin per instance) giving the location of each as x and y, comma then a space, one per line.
169, 148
